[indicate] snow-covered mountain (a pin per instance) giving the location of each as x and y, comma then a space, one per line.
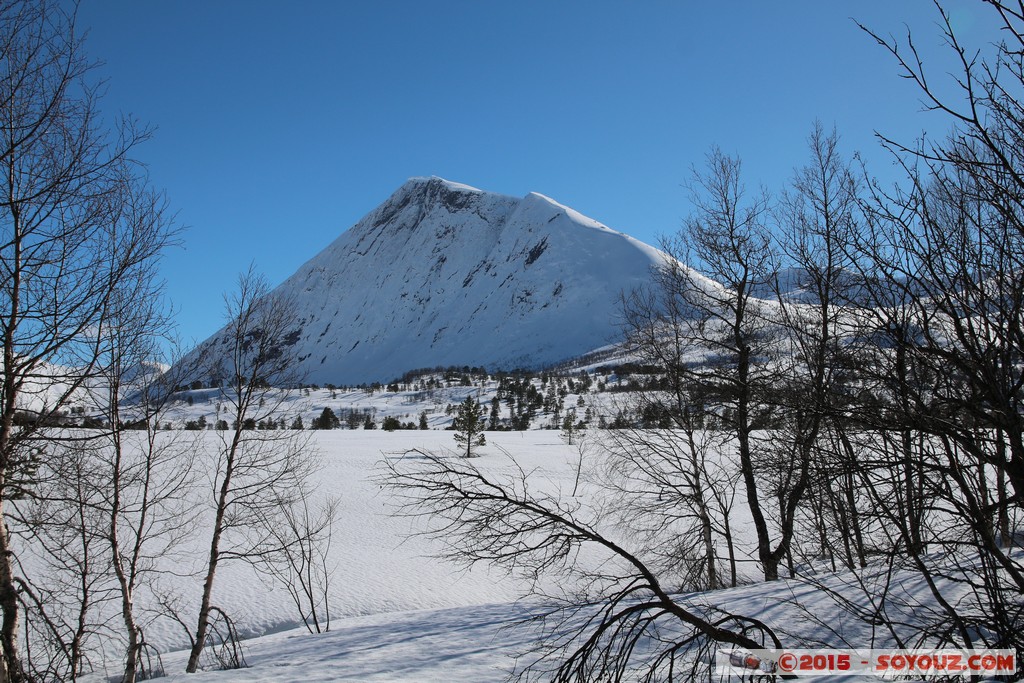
445, 274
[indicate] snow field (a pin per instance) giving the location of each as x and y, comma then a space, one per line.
400, 614
380, 565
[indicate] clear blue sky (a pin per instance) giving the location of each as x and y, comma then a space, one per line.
280, 124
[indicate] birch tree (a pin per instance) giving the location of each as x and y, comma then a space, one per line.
256, 474
66, 247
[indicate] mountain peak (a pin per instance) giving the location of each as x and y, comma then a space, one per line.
437, 183
446, 274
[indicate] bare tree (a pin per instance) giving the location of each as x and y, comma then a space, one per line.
61, 524
818, 217
939, 423
108, 500
674, 489
66, 245
672, 468
712, 330
256, 473
603, 611
147, 475
300, 540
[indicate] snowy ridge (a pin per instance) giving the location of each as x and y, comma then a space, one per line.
445, 274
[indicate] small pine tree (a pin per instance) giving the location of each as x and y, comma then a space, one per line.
423, 420
391, 423
570, 427
297, 422
495, 419
469, 426
327, 420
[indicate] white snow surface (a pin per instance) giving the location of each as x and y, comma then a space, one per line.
380, 564
444, 274
394, 604
400, 614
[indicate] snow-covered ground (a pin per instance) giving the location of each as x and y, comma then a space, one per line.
401, 614
398, 612
380, 564
473, 644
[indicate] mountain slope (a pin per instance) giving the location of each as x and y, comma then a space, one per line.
445, 274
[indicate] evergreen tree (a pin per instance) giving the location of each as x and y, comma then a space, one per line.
469, 426
327, 420
570, 427
495, 419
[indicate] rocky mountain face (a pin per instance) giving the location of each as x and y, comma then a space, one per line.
444, 274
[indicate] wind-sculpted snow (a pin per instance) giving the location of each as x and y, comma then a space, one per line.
444, 274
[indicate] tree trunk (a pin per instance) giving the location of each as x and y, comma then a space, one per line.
12, 670
769, 563
202, 625
1003, 516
